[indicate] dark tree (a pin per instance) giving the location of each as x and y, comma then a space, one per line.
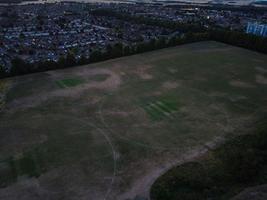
20, 67
2, 72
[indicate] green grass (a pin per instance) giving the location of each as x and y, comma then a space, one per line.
70, 82
159, 109
29, 164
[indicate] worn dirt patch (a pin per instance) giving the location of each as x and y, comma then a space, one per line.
241, 84
119, 113
261, 69
253, 193
94, 99
142, 72
261, 79
170, 85
173, 70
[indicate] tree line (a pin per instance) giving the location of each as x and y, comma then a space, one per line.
20, 67
240, 39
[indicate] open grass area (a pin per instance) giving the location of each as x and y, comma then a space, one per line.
108, 130
70, 82
160, 109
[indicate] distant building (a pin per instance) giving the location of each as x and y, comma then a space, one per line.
257, 29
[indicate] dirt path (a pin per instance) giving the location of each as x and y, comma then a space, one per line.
141, 187
114, 155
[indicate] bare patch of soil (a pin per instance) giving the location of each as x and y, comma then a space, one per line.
261, 79
173, 70
119, 113
255, 193
94, 99
170, 85
241, 84
157, 93
261, 69
142, 72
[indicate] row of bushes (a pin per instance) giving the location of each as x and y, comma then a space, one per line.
19, 67
240, 163
241, 39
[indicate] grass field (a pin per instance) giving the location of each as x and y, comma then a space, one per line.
161, 108
108, 130
72, 82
